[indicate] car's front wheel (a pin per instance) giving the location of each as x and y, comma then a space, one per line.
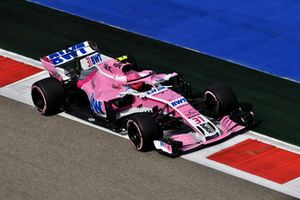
142, 130
220, 100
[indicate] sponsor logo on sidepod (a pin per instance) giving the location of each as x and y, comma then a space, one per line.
96, 105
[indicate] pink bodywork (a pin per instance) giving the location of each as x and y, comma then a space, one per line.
227, 126
108, 82
50, 68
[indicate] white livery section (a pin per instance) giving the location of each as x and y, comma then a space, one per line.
90, 61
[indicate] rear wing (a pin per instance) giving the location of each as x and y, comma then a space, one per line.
71, 53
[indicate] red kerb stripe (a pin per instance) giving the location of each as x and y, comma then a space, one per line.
261, 159
12, 71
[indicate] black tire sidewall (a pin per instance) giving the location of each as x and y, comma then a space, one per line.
52, 92
148, 130
226, 99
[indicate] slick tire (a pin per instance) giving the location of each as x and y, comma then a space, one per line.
142, 130
48, 95
220, 100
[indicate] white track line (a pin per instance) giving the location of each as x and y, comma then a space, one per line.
16, 92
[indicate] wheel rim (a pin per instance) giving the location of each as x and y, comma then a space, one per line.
38, 99
134, 134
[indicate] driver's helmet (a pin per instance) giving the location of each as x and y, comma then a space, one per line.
134, 76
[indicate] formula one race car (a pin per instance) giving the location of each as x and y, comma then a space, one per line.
155, 110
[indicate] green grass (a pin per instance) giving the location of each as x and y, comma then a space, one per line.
35, 31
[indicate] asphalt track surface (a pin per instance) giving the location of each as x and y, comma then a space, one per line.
57, 158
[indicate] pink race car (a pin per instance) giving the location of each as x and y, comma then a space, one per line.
155, 110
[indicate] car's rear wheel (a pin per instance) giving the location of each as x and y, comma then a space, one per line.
48, 95
220, 100
142, 130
